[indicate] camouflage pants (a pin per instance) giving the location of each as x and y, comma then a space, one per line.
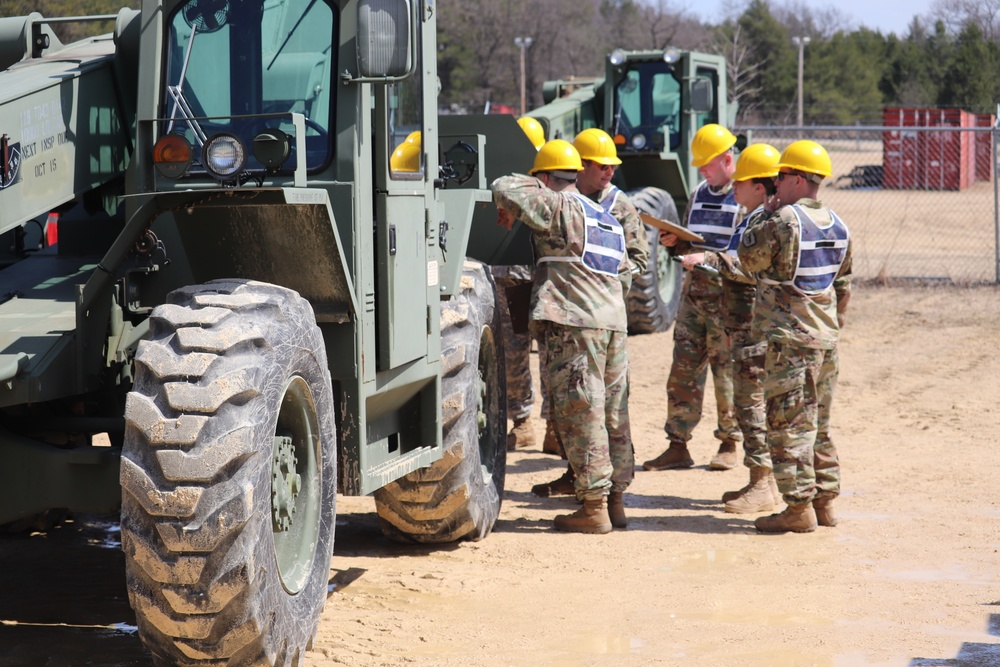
700, 341
799, 388
588, 384
517, 348
748, 396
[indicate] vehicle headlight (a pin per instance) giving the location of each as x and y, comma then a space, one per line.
172, 155
638, 141
224, 157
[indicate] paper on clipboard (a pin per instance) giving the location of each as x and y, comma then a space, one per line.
682, 233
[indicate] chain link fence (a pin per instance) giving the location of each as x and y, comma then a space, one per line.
921, 202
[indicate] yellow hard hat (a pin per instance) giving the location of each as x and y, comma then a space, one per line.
534, 130
406, 157
710, 142
557, 155
806, 156
597, 146
414, 137
757, 161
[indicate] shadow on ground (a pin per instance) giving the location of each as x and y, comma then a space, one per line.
64, 601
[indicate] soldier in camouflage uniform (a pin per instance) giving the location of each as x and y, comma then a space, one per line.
753, 183
802, 257
600, 159
517, 346
700, 339
579, 305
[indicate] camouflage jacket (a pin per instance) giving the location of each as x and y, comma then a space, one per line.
699, 283
782, 313
565, 292
739, 288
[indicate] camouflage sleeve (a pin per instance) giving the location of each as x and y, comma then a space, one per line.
771, 246
842, 286
756, 251
528, 200
636, 241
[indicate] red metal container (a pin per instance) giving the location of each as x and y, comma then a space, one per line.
984, 147
935, 160
900, 149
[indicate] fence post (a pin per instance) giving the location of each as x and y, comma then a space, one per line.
996, 201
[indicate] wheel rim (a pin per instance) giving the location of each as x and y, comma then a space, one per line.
488, 402
666, 275
296, 485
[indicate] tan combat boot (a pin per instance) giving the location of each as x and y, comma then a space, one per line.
591, 518
616, 510
775, 491
552, 443
676, 456
796, 518
823, 506
522, 435
563, 486
725, 458
755, 497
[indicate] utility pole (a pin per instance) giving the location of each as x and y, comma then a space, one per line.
801, 43
522, 43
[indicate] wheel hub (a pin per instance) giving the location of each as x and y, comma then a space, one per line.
285, 483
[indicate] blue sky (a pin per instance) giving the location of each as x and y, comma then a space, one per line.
885, 15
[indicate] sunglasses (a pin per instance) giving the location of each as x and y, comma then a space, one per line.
782, 175
604, 167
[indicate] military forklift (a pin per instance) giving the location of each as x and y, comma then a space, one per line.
243, 311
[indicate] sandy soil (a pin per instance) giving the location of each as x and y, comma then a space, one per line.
909, 579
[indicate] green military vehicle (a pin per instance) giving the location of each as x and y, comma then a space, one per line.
243, 310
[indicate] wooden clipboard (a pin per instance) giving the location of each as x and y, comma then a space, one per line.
682, 233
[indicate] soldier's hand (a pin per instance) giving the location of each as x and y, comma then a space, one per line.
505, 218
690, 261
772, 204
668, 239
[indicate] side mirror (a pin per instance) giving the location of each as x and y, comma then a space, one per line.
384, 34
701, 96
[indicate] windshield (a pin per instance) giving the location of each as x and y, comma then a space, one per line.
230, 58
648, 103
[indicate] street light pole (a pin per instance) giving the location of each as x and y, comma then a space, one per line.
801, 43
522, 43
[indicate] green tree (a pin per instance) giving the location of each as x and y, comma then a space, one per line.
770, 46
970, 81
842, 76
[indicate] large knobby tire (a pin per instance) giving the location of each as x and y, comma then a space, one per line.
458, 497
228, 477
655, 296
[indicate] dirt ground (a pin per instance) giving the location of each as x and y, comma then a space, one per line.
909, 579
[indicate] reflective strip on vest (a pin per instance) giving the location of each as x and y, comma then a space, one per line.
609, 201
713, 216
822, 251
604, 242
